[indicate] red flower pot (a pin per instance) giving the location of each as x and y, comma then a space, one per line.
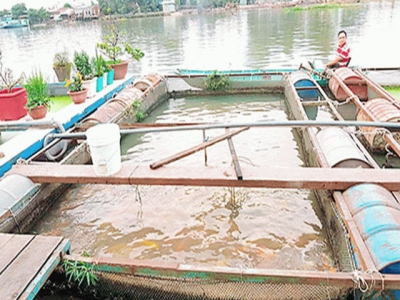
78, 97
120, 70
12, 105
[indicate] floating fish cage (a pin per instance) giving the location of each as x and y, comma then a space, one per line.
123, 279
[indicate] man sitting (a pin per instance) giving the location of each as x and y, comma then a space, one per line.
342, 52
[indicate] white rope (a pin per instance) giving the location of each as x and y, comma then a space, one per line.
372, 272
360, 282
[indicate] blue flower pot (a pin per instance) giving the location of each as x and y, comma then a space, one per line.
99, 84
110, 77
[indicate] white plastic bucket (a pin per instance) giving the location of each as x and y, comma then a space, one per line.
105, 149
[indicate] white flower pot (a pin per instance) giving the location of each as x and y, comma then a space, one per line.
91, 86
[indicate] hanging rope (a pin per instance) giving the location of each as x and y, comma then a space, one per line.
360, 283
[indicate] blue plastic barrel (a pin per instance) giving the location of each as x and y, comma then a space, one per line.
377, 215
302, 79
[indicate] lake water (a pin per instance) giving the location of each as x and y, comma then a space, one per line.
226, 40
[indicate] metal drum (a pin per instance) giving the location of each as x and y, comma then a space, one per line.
384, 111
340, 150
377, 216
302, 79
345, 74
105, 113
129, 94
12, 189
143, 84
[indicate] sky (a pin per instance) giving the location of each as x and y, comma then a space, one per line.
36, 4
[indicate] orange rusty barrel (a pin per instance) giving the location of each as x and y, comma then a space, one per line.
147, 82
143, 84
384, 111
128, 95
105, 113
350, 79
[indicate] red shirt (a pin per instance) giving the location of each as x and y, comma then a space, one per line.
344, 53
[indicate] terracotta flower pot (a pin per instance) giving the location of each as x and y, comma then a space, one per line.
78, 97
120, 70
38, 112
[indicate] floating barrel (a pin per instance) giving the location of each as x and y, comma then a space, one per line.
305, 87
384, 111
345, 74
377, 216
340, 150
129, 95
105, 113
12, 189
149, 81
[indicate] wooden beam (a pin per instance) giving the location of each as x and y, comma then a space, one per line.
153, 269
271, 177
235, 160
195, 149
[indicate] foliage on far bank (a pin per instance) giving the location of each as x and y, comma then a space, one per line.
35, 16
124, 7
312, 7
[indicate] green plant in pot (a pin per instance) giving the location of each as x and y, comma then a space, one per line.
62, 65
84, 67
99, 64
13, 96
115, 47
38, 95
77, 91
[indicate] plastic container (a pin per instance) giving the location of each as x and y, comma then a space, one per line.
340, 150
301, 79
377, 215
12, 188
345, 74
105, 149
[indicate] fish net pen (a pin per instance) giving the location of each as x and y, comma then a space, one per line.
199, 285
136, 279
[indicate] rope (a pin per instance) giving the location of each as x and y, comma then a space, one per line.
15, 220
360, 282
337, 103
372, 272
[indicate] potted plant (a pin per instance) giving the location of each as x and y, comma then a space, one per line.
62, 65
84, 67
12, 97
114, 47
38, 95
77, 92
98, 63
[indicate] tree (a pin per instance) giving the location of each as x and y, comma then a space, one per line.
4, 12
18, 10
38, 16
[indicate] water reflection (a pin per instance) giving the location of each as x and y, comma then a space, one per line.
237, 227
245, 39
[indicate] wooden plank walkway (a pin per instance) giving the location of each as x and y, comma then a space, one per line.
26, 261
296, 178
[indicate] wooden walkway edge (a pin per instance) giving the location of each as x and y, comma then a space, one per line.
296, 178
26, 261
